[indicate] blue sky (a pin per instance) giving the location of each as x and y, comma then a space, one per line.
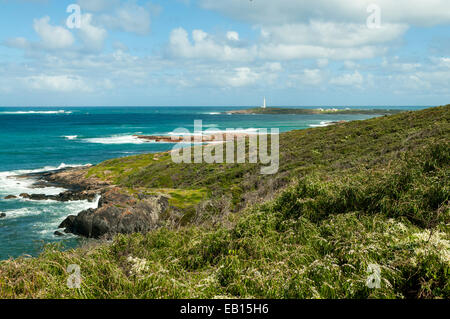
228, 52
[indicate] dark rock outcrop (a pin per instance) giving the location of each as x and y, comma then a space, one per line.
62, 197
73, 179
10, 197
118, 213
2, 215
67, 222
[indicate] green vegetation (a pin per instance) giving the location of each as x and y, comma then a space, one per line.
373, 192
333, 151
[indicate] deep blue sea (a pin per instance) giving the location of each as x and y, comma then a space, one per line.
40, 139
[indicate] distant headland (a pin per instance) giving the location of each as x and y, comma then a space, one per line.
278, 110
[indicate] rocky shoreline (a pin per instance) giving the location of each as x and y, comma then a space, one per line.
117, 211
205, 138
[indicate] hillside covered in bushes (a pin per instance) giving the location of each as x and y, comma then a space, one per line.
347, 198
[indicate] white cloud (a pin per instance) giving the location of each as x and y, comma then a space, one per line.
322, 63
306, 77
242, 77
129, 18
292, 52
433, 80
273, 66
57, 83
296, 50
442, 62
329, 34
18, 43
60, 38
266, 12
120, 46
351, 65
277, 46
348, 79
204, 46
232, 36
396, 65
92, 36
52, 37
326, 40
201, 75
313, 77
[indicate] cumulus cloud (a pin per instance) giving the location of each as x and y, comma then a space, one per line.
241, 77
120, 46
327, 40
297, 29
59, 38
310, 77
266, 12
56, 83
52, 37
298, 51
313, 77
298, 45
92, 36
232, 36
329, 34
444, 62
322, 63
400, 66
348, 79
273, 47
204, 46
212, 76
129, 17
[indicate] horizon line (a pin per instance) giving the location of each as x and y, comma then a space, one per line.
250, 106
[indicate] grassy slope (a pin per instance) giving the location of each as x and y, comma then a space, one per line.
332, 151
360, 193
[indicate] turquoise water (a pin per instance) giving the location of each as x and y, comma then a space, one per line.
39, 139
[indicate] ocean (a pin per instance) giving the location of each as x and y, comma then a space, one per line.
41, 139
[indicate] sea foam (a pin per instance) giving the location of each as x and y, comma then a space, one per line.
11, 184
115, 139
37, 112
322, 124
71, 137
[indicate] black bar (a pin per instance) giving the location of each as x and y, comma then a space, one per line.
233, 308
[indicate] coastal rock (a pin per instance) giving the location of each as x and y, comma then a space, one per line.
62, 197
74, 196
67, 222
10, 197
2, 215
74, 179
206, 138
34, 196
118, 213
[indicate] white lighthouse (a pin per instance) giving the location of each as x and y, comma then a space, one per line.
264, 104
